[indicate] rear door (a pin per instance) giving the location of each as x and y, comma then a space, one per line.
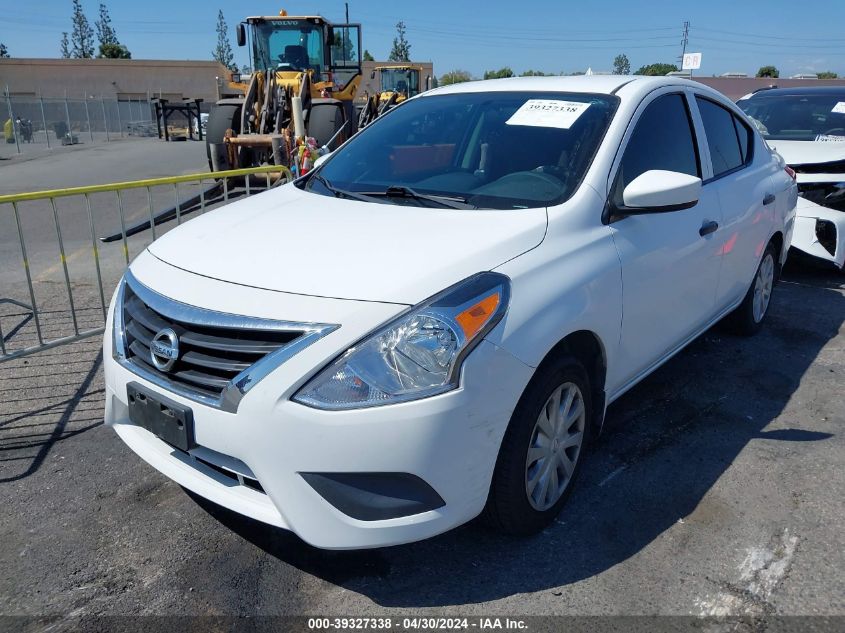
742, 178
670, 271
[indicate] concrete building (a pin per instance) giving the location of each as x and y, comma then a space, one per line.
121, 79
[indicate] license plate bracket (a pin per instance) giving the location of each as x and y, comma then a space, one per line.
168, 420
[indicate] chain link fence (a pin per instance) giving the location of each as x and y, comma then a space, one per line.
32, 123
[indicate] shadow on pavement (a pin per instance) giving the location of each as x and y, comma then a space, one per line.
664, 446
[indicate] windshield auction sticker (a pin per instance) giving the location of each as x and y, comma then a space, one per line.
548, 113
829, 138
839, 107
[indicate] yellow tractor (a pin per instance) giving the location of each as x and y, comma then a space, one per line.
398, 83
305, 76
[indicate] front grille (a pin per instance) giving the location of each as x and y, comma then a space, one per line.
210, 357
826, 194
834, 167
243, 480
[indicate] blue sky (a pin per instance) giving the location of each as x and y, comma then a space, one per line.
552, 36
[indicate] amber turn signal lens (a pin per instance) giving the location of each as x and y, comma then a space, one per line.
473, 318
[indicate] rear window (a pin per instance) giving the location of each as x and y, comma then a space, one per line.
797, 117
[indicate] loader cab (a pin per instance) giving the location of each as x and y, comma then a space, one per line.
405, 81
301, 44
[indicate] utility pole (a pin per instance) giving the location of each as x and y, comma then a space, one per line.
684, 42
346, 4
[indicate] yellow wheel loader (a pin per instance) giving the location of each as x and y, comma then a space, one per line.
305, 76
398, 83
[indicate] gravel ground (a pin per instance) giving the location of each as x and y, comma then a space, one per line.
715, 489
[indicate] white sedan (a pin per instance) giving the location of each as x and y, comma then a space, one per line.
806, 126
432, 323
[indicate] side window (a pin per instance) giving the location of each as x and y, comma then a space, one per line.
743, 133
662, 139
726, 152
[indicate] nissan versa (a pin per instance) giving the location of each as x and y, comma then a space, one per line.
432, 323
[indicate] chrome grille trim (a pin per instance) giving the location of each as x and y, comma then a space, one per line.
233, 390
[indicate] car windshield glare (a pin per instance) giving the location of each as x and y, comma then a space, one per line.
798, 117
492, 150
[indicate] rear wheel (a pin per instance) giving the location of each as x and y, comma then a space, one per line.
541, 452
748, 318
223, 117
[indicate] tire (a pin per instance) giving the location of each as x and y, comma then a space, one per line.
324, 120
748, 318
517, 503
224, 116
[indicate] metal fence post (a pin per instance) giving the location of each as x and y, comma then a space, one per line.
105, 119
119, 122
88, 119
67, 116
44, 121
12, 119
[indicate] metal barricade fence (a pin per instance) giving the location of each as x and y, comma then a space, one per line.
134, 222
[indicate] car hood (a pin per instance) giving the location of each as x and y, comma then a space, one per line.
293, 241
809, 152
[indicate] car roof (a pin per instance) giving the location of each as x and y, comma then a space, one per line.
596, 84
798, 91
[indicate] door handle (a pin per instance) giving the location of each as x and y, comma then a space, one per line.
768, 199
707, 228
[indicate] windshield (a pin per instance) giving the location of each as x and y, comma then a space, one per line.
814, 117
499, 150
288, 45
404, 81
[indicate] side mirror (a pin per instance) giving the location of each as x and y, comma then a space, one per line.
659, 191
240, 30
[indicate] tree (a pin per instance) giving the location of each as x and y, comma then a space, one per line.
621, 65
82, 35
825, 74
105, 31
114, 51
768, 71
401, 51
223, 51
502, 73
455, 77
533, 73
4, 52
64, 46
110, 46
368, 57
657, 69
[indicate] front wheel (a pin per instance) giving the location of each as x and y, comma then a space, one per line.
748, 318
541, 452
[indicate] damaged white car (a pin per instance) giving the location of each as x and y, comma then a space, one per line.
807, 127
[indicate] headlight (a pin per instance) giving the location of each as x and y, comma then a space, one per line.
419, 354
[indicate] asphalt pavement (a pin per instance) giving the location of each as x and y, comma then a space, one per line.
716, 489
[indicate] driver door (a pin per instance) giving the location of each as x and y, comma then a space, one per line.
345, 52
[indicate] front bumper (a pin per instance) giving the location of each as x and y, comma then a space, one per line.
449, 441
805, 236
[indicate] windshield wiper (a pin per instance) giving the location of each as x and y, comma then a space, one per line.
400, 191
338, 193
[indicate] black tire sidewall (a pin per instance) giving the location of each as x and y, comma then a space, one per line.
223, 117
744, 317
508, 505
